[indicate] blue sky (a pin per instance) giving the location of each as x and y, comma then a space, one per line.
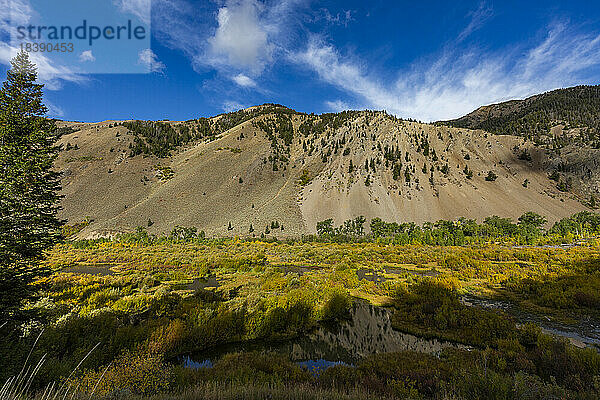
427, 60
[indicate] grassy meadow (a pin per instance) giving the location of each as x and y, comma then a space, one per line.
131, 307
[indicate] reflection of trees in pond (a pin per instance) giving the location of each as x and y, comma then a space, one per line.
585, 332
368, 332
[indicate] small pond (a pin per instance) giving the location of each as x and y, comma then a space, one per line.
379, 277
210, 282
90, 269
586, 332
368, 332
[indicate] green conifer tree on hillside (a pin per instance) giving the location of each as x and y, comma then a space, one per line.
28, 186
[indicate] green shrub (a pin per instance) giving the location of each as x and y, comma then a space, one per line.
136, 373
257, 367
337, 306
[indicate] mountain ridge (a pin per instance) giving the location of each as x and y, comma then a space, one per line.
564, 122
241, 173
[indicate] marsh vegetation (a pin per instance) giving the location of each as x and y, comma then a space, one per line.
267, 313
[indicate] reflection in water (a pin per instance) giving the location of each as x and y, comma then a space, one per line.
315, 367
368, 332
585, 333
376, 276
96, 269
203, 283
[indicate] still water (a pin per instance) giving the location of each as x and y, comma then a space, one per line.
368, 332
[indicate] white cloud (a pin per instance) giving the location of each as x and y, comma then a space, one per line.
244, 81
51, 74
139, 8
337, 105
245, 36
54, 111
478, 18
86, 56
454, 83
150, 60
348, 75
240, 39
343, 18
230, 105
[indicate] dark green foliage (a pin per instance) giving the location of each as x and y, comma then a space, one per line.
491, 176
258, 367
563, 186
431, 310
580, 290
28, 185
317, 126
161, 138
528, 230
183, 234
325, 227
525, 155
531, 226
278, 127
397, 171
65, 131
468, 173
157, 138
352, 228
580, 223
337, 307
555, 176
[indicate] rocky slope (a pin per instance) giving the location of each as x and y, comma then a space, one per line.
565, 123
236, 174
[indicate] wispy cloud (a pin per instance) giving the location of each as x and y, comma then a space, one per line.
477, 19
50, 73
87, 56
230, 105
148, 59
245, 36
340, 18
244, 81
139, 8
456, 82
337, 105
346, 74
54, 111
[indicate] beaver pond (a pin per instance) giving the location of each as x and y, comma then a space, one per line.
369, 331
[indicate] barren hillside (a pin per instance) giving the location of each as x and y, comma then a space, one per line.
564, 122
238, 173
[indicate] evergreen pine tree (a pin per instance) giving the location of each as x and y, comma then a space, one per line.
28, 186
